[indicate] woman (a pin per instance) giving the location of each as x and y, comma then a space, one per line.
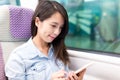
44, 56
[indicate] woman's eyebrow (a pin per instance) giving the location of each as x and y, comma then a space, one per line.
55, 23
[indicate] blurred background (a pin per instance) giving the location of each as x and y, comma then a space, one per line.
94, 25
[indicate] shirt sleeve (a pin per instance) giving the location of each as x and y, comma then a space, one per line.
14, 68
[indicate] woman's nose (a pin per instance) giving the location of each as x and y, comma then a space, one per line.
57, 31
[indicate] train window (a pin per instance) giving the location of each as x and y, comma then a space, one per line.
10, 2
2, 2
94, 25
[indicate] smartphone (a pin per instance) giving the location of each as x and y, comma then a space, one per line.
84, 67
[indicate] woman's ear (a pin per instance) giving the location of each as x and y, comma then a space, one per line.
37, 21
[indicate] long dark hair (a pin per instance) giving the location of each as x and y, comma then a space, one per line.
44, 10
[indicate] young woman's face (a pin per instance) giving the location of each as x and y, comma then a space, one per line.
50, 28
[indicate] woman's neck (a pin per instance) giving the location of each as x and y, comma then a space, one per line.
41, 45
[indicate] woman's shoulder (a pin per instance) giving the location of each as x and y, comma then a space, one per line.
23, 50
24, 47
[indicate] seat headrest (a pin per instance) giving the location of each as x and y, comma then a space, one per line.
15, 22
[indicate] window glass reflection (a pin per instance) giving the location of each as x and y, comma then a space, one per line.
94, 24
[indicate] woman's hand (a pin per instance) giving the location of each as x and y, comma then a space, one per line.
60, 75
73, 76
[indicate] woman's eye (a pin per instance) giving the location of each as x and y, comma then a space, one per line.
53, 25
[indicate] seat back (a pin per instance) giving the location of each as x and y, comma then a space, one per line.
15, 24
2, 74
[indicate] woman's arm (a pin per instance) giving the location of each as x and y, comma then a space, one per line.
14, 68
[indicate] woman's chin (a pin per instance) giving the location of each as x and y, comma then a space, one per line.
49, 41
